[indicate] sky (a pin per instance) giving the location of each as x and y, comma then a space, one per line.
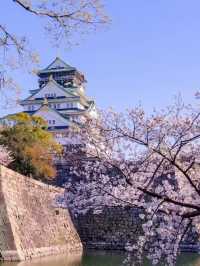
148, 54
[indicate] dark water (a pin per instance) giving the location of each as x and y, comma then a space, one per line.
97, 259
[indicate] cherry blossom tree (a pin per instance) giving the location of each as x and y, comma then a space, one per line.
63, 20
146, 161
5, 156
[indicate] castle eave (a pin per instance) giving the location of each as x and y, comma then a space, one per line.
50, 100
56, 70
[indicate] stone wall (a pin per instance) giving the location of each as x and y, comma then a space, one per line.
110, 229
115, 226
31, 222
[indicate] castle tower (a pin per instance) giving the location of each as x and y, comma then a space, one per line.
60, 98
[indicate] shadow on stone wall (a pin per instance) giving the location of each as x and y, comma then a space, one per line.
115, 226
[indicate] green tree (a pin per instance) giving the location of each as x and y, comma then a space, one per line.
32, 146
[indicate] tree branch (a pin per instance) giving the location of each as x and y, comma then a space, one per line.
168, 200
55, 15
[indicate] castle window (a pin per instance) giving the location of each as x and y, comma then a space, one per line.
55, 105
31, 108
69, 105
51, 122
48, 95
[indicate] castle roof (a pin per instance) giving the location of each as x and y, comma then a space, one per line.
56, 66
58, 86
47, 112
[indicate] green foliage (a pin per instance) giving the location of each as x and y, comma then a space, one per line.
31, 145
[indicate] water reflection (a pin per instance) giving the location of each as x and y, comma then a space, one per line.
103, 258
189, 259
116, 259
61, 260
97, 258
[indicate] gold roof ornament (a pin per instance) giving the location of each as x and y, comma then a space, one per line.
45, 102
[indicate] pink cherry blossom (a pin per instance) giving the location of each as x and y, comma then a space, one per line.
150, 162
5, 156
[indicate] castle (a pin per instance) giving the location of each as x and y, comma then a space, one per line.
60, 99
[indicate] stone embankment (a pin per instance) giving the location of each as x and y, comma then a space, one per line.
31, 222
111, 229
114, 227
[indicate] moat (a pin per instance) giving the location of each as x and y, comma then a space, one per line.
95, 258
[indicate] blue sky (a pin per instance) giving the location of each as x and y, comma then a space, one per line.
149, 53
